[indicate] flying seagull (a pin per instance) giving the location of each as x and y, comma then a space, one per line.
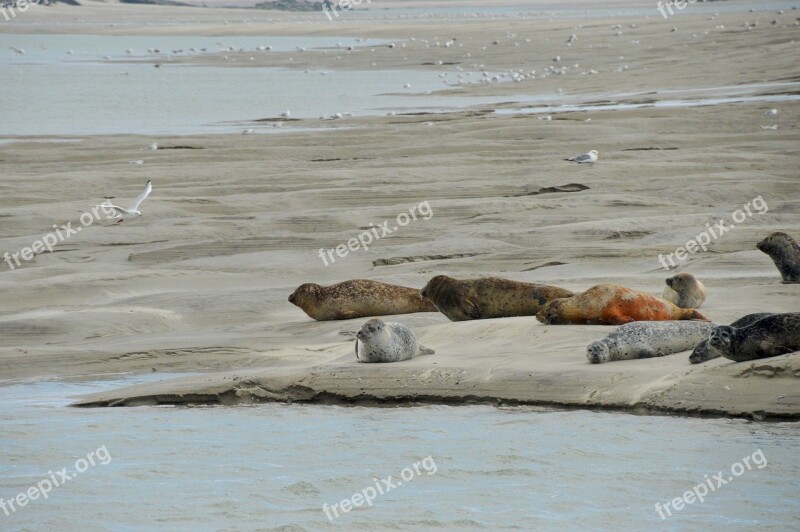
590, 157
132, 211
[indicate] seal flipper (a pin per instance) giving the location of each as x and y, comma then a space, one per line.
357, 358
471, 309
422, 350
348, 315
694, 315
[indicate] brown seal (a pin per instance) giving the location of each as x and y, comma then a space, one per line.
768, 337
612, 304
488, 297
358, 298
785, 253
685, 291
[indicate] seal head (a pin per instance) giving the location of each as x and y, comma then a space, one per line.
597, 352
685, 291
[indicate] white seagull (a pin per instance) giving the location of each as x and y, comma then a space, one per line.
590, 157
132, 211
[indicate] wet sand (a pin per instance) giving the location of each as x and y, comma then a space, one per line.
200, 284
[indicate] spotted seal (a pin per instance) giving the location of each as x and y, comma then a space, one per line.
381, 341
648, 339
358, 298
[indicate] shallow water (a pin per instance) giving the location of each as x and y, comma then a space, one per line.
89, 95
257, 467
659, 104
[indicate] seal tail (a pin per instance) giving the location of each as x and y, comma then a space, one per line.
422, 350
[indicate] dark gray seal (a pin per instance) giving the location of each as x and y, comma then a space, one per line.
768, 337
380, 341
647, 339
703, 352
785, 253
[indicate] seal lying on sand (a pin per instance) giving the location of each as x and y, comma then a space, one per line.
768, 337
647, 339
785, 253
612, 304
380, 341
359, 298
703, 352
489, 297
685, 291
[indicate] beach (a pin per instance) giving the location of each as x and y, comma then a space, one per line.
236, 222
395, 142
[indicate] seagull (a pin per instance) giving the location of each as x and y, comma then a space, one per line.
132, 211
771, 112
590, 157
152, 147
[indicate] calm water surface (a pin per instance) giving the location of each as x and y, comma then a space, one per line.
267, 466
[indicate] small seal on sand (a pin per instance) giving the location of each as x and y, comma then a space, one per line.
358, 298
703, 352
685, 291
647, 339
612, 304
785, 253
768, 337
381, 341
489, 297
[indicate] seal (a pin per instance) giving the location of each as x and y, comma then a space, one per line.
488, 297
358, 298
381, 341
785, 253
703, 352
612, 304
768, 337
648, 339
685, 291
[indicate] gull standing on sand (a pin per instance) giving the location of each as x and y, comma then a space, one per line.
590, 157
132, 211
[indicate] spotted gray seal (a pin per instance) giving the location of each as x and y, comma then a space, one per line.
768, 337
785, 253
684, 291
647, 339
380, 341
703, 352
